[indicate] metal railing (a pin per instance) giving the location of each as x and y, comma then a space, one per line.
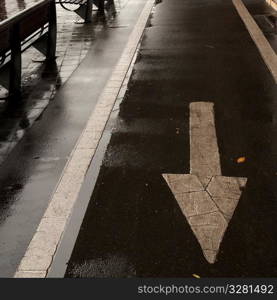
83, 8
71, 5
35, 26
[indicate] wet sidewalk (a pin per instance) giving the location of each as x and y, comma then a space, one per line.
37, 137
9, 8
188, 181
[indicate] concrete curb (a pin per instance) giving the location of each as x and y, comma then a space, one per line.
39, 255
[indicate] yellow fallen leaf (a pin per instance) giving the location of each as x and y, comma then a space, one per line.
241, 160
196, 276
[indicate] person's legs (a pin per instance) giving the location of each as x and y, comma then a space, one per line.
101, 6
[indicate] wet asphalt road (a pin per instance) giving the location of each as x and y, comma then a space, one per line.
192, 51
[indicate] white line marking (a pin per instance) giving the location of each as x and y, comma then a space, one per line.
206, 198
204, 161
268, 54
42, 248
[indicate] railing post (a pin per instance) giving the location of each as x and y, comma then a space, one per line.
52, 32
15, 63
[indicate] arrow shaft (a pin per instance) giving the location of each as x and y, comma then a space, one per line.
204, 154
206, 198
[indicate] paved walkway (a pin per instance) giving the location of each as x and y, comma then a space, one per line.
188, 181
37, 138
41, 82
9, 8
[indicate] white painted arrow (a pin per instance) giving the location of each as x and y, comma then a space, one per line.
206, 198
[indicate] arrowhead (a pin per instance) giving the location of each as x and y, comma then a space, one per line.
209, 209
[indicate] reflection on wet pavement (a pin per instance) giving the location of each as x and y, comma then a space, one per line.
31, 172
8, 8
40, 82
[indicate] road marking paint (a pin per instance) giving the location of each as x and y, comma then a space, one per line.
204, 161
266, 51
39, 255
206, 198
